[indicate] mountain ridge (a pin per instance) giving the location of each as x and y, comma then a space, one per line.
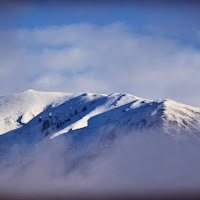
31, 116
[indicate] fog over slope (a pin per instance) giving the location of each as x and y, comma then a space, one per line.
97, 143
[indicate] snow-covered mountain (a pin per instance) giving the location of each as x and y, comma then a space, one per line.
97, 142
30, 116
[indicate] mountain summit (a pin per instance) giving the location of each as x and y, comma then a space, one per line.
31, 116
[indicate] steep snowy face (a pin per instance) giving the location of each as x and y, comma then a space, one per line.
18, 109
31, 116
140, 116
63, 114
95, 107
181, 117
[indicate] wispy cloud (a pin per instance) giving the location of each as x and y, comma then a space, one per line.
105, 59
133, 164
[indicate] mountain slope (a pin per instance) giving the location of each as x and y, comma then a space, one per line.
18, 109
97, 142
30, 116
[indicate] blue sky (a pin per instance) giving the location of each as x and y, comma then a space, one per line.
147, 49
183, 18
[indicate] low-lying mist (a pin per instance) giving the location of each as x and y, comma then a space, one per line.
132, 164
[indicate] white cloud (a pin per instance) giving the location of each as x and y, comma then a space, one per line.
71, 58
133, 164
77, 83
105, 59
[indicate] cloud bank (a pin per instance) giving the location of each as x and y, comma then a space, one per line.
134, 164
104, 59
